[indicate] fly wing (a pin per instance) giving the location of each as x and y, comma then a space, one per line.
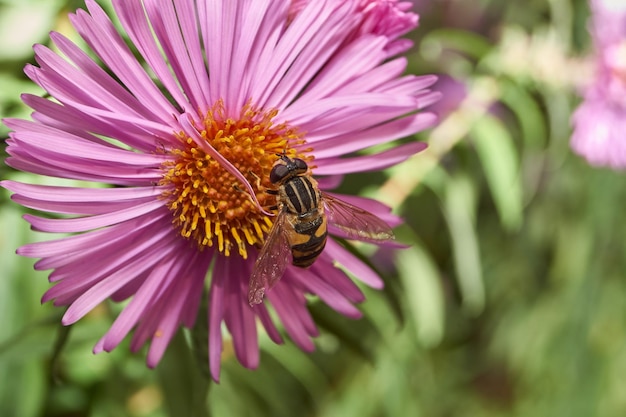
355, 222
271, 263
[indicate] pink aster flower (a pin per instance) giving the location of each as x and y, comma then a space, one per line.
600, 120
184, 140
389, 18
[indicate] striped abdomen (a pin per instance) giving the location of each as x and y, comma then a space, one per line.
302, 201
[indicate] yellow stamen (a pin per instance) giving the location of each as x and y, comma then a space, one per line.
207, 202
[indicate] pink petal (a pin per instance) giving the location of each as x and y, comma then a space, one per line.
134, 311
101, 35
239, 317
82, 224
80, 195
384, 133
353, 264
372, 162
93, 239
217, 296
133, 19
290, 305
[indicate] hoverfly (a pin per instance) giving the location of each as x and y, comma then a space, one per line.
301, 225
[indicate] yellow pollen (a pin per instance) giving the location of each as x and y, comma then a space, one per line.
209, 205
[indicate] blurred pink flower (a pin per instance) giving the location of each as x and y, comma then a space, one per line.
221, 88
389, 18
600, 120
453, 92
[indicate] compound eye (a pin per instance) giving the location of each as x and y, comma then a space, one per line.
300, 164
278, 173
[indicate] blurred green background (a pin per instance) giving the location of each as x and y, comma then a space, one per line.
511, 300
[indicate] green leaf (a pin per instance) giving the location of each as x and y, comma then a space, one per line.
459, 207
22, 388
529, 114
469, 43
391, 292
423, 293
186, 388
498, 156
349, 332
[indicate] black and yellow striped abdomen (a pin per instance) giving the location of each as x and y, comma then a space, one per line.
308, 241
301, 199
299, 195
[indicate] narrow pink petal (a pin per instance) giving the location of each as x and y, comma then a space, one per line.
185, 292
373, 162
80, 195
253, 17
317, 111
351, 62
188, 19
57, 141
163, 334
101, 290
266, 37
182, 54
36, 160
128, 290
354, 141
310, 62
337, 279
53, 114
217, 297
427, 98
82, 224
290, 305
101, 35
133, 19
276, 62
76, 122
76, 278
268, 325
133, 312
239, 317
78, 200
91, 262
225, 163
148, 326
96, 88
353, 264
220, 24
65, 91
314, 280
398, 46
331, 182
346, 121
26, 163
65, 80
78, 208
35, 127
194, 290
93, 239
109, 91
375, 77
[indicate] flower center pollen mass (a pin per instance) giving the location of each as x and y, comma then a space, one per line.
209, 205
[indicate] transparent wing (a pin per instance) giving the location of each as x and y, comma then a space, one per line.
355, 222
271, 263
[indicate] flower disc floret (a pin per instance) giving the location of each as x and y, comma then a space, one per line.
208, 203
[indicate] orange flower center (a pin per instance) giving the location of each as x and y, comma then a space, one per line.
209, 205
